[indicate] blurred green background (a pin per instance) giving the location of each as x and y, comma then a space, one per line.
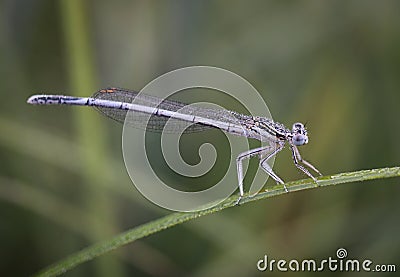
63, 184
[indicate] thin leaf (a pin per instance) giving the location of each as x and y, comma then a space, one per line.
173, 219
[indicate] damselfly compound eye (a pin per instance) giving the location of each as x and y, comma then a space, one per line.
300, 139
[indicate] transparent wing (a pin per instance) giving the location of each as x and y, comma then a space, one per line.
159, 123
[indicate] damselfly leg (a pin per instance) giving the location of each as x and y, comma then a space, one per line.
298, 159
271, 151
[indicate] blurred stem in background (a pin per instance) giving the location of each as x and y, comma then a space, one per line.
89, 133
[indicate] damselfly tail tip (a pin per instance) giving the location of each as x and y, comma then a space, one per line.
31, 100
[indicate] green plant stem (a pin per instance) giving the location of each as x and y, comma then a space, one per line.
92, 160
173, 219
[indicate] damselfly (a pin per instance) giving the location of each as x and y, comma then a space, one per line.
116, 103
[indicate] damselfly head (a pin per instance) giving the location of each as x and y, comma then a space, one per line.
299, 133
